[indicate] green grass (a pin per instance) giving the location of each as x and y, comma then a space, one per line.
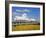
23, 27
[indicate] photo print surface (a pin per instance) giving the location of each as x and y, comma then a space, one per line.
25, 18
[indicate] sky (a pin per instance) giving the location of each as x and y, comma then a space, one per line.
27, 13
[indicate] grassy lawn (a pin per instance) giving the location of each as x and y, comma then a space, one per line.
22, 27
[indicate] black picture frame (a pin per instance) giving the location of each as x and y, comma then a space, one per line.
7, 18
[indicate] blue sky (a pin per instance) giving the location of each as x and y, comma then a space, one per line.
31, 13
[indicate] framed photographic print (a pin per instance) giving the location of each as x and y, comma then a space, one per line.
24, 18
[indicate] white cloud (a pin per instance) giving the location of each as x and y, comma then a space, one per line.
23, 17
33, 19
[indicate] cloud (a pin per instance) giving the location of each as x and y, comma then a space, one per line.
23, 17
